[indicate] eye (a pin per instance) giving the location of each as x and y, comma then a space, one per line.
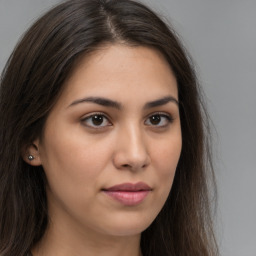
159, 120
97, 120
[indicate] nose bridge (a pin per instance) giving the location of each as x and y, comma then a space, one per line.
135, 141
132, 147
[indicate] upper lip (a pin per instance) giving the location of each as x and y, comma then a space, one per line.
140, 186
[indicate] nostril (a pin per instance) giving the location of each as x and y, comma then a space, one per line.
134, 166
129, 160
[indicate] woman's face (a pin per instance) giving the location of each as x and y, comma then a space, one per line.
112, 142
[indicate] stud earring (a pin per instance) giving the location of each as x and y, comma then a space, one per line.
30, 158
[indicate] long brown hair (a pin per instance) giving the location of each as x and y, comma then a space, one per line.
30, 86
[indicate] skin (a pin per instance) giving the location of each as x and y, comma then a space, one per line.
133, 143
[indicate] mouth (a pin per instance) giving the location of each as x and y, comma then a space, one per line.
128, 194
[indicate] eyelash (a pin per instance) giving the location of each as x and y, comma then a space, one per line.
100, 114
168, 120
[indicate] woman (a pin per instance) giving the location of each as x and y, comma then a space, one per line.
103, 144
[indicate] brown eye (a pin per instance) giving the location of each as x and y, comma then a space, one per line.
96, 121
159, 120
155, 120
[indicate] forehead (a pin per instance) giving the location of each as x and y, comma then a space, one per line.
120, 71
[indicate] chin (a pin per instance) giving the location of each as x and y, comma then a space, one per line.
128, 225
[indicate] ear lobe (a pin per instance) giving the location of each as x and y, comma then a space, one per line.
31, 155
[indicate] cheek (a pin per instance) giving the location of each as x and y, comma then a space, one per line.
167, 153
73, 160
166, 159
73, 169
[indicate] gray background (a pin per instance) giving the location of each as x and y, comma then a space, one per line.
221, 37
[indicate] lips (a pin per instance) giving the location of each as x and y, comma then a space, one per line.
128, 194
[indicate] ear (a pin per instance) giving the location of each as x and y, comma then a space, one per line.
31, 155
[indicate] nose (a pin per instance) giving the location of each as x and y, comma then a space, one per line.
131, 151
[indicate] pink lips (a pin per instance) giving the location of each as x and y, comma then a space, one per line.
129, 194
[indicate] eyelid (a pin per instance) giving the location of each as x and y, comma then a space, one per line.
168, 116
162, 114
86, 117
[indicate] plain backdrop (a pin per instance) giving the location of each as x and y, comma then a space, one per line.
221, 37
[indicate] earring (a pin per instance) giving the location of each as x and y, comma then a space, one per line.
30, 158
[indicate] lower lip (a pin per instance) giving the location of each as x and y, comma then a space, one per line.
129, 198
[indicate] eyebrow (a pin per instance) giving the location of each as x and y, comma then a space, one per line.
161, 102
114, 104
98, 100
